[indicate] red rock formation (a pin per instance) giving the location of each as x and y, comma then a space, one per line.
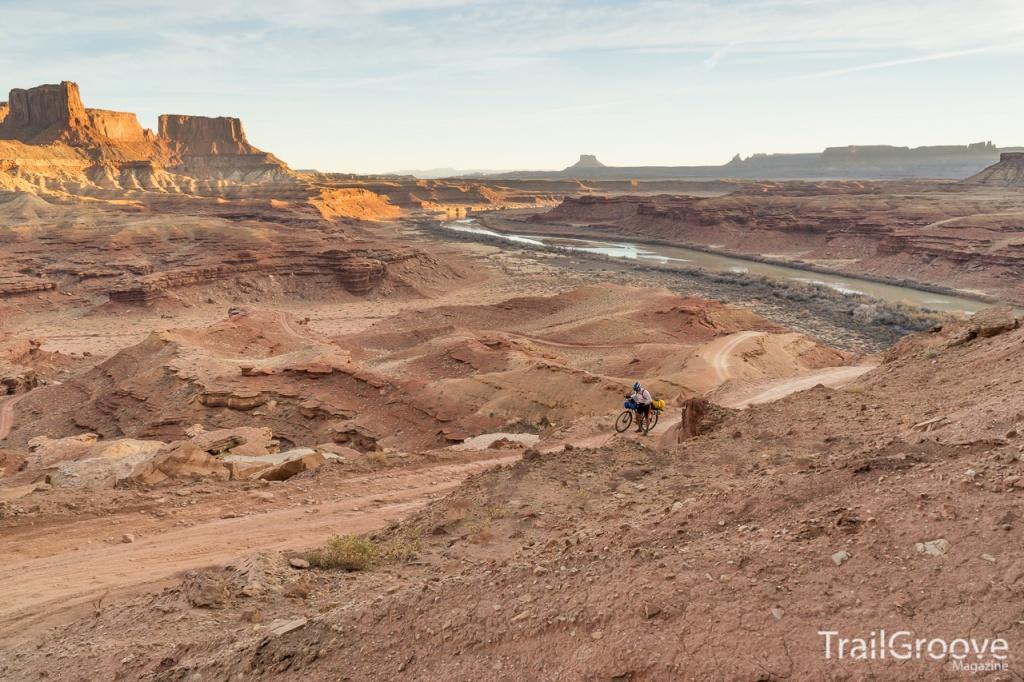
45, 113
48, 132
54, 113
119, 126
355, 273
205, 136
12, 283
699, 416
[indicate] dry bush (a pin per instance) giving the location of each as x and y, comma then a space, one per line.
481, 533
348, 552
378, 459
403, 547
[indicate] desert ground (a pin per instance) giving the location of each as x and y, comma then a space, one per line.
263, 424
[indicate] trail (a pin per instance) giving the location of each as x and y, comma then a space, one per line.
719, 359
582, 346
7, 414
946, 221
49, 575
833, 377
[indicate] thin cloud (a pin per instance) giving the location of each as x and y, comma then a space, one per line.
935, 56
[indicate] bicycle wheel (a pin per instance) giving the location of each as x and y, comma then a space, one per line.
624, 420
652, 421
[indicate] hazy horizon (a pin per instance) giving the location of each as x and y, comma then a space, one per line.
367, 86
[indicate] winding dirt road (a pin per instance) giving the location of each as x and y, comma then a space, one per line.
723, 350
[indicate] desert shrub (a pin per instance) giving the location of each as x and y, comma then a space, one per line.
348, 552
481, 533
402, 547
378, 459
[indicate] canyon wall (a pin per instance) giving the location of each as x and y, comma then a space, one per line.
49, 141
44, 114
204, 135
54, 113
117, 126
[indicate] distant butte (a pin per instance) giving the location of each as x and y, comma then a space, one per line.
1008, 172
862, 162
586, 161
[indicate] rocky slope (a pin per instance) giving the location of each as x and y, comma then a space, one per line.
721, 556
421, 379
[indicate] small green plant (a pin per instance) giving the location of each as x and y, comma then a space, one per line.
348, 552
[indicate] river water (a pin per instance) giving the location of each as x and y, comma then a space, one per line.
676, 255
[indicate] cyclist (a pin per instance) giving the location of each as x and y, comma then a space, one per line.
642, 397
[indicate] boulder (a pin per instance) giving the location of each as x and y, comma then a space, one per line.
993, 321
181, 459
244, 440
50, 451
335, 451
107, 464
353, 436
292, 467
276, 467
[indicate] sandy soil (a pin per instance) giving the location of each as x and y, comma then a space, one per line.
52, 573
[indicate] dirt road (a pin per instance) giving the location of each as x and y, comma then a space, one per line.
722, 350
7, 413
48, 576
833, 377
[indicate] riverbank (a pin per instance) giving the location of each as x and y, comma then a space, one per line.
496, 221
853, 322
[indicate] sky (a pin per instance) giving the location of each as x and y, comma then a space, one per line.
383, 85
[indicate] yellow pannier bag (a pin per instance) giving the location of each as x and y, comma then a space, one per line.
658, 404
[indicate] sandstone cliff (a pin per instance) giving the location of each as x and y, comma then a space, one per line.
44, 114
116, 126
204, 135
50, 142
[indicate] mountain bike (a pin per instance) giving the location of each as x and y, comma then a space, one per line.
625, 419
